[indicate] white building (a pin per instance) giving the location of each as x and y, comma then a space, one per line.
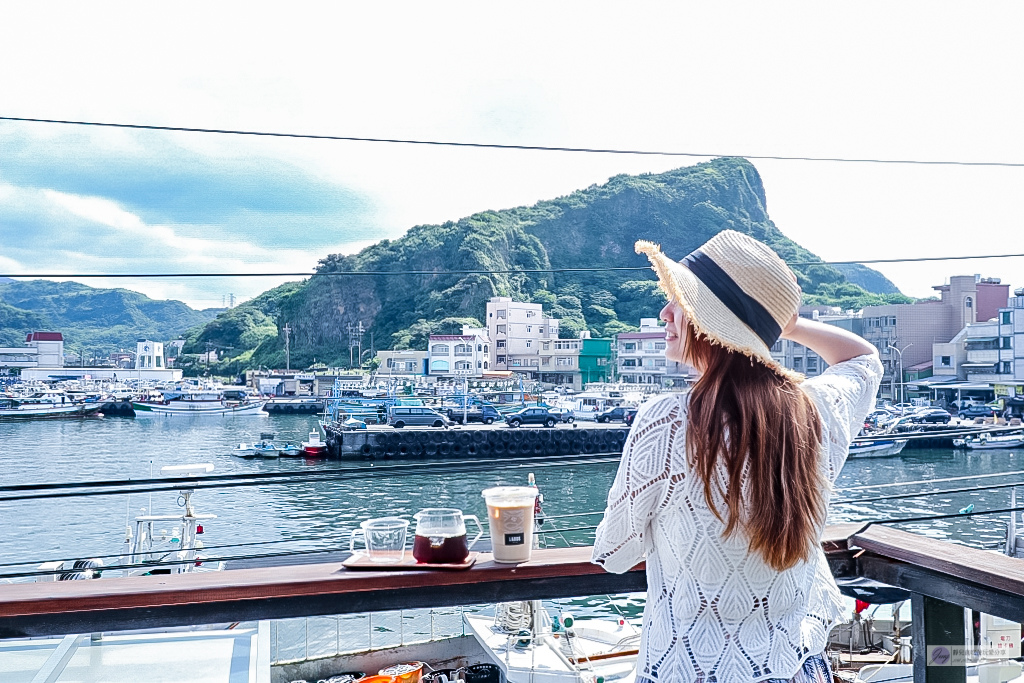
641, 357
459, 355
519, 331
41, 350
149, 355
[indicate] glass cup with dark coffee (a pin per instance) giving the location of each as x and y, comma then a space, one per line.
441, 536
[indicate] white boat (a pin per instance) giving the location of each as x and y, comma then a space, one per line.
987, 442
532, 647
208, 401
266, 449
159, 544
46, 403
290, 450
877, 449
244, 450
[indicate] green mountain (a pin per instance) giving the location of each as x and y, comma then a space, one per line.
591, 228
88, 316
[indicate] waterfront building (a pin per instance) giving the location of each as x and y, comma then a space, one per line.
641, 357
459, 355
41, 350
406, 363
281, 382
596, 361
904, 334
43, 359
558, 361
518, 331
798, 357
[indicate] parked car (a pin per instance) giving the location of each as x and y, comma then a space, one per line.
485, 414
932, 415
412, 416
563, 414
970, 412
615, 414
630, 416
531, 416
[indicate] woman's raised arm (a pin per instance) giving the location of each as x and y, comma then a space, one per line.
833, 344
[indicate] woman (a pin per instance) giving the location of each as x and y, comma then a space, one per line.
724, 490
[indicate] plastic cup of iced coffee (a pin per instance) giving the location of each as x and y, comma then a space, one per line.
510, 512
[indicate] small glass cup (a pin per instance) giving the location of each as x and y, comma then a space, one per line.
384, 539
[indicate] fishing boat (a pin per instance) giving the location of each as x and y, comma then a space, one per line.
290, 450
530, 645
206, 401
266, 449
158, 544
44, 404
244, 450
314, 448
988, 442
877, 449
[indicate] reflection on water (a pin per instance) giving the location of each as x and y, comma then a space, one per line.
321, 514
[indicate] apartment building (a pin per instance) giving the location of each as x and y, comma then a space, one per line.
406, 362
798, 357
459, 355
640, 357
905, 334
524, 340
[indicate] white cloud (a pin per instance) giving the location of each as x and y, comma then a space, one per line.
912, 80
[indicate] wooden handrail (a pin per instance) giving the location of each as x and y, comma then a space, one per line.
52, 608
987, 568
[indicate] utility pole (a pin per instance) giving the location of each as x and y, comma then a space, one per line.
287, 347
348, 329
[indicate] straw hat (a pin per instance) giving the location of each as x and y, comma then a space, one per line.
736, 291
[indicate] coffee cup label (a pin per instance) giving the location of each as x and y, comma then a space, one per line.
514, 539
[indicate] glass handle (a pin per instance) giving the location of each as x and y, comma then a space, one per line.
352, 539
479, 529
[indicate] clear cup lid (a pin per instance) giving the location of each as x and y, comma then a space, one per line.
505, 494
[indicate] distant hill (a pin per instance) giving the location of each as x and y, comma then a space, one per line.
591, 228
108, 318
869, 279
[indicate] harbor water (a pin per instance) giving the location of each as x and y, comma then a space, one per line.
301, 516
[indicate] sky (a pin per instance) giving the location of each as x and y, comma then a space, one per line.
935, 81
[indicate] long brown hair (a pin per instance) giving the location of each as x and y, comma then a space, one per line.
766, 431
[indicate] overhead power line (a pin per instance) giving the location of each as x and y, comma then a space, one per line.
523, 271
531, 148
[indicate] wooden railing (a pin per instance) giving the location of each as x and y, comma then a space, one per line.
944, 578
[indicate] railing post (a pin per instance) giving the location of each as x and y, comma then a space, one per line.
940, 640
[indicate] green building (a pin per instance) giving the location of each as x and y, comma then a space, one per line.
596, 362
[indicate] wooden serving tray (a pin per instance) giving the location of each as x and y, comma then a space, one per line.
409, 563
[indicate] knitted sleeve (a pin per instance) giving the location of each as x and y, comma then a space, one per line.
643, 483
844, 395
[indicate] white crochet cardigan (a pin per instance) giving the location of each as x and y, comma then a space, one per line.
715, 611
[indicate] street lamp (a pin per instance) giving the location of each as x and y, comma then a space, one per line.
900, 352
